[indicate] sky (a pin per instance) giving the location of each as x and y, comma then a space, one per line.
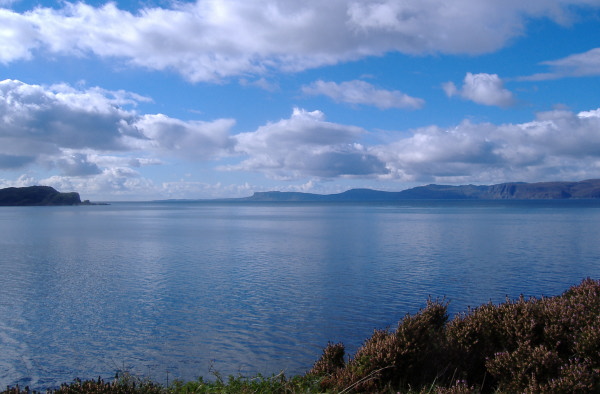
157, 99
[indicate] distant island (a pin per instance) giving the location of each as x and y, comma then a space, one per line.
588, 189
38, 196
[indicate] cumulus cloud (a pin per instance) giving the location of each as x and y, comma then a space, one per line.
79, 131
577, 65
556, 145
195, 140
111, 143
43, 120
77, 164
306, 145
94, 140
361, 92
237, 38
486, 89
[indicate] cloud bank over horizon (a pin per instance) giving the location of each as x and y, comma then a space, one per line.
40, 129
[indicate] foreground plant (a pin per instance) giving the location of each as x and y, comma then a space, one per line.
124, 384
537, 345
128, 384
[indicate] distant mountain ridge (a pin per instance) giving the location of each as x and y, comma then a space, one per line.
37, 196
587, 189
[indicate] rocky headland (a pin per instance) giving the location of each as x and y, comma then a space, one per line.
38, 196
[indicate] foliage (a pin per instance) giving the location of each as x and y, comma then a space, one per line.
390, 359
538, 345
126, 384
259, 384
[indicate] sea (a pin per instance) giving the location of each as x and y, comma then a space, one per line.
180, 290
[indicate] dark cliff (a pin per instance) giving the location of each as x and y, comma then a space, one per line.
36, 196
545, 190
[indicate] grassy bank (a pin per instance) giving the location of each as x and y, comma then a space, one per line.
545, 345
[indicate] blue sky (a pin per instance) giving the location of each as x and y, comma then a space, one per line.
157, 99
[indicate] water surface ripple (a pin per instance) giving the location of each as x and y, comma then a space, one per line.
181, 289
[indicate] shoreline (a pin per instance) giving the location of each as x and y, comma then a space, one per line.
518, 345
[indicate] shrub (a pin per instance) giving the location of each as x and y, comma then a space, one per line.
534, 345
405, 357
331, 360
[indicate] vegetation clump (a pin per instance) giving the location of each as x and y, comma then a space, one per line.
542, 345
128, 384
546, 345
125, 384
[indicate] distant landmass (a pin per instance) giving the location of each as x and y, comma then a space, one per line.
38, 196
588, 189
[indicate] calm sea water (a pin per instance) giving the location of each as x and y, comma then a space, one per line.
178, 290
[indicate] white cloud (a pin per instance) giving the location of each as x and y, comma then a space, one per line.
486, 89
306, 145
18, 36
556, 145
77, 164
238, 37
260, 83
360, 92
195, 140
94, 141
589, 114
577, 65
79, 131
581, 64
23, 181
41, 120
121, 183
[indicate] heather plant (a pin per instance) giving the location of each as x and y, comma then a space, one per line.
330, 361
489, 331
528, 345
566, 355
405, 357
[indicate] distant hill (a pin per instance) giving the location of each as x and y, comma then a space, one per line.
587, 189
37, 195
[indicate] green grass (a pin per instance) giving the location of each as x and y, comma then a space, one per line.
546, 345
